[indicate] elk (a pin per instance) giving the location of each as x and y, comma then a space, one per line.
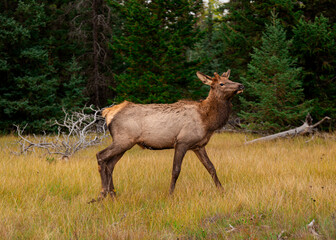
184, 125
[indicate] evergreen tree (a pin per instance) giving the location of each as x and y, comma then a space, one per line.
72, 97
157, 36
240, 29
212, 44
28, 90
316, 8
273, 84
315, 45
92, 24
33, 77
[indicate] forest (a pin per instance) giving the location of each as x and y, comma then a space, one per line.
62, 54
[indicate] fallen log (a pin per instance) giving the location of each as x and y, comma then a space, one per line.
78, 130
306, 127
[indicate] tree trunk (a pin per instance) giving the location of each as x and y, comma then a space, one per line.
306, 127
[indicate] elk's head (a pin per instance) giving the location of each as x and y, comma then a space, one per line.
221, 86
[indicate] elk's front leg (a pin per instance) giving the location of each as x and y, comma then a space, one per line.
180, 151
203, 157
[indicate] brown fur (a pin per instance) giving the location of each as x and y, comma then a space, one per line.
184, 125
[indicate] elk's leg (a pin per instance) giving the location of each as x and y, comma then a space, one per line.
109, 168
102, 169
180, 151
203, 157
106, 159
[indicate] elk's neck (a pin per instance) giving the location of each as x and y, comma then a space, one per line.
215, 112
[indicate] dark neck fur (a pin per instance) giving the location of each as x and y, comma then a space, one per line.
215, 112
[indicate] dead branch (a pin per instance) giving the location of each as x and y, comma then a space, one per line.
232, 228
306, 127
313, 229
279, 237
76, 131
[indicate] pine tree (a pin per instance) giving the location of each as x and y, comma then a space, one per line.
315, 46
157, 36
212, 45
33, 60
72, 97
316, 8
273, 84
93, 23
28, 89
240, 29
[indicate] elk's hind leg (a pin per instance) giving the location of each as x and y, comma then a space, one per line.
102, 169
109, 168
107, 159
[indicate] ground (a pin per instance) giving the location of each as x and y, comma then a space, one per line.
269, 188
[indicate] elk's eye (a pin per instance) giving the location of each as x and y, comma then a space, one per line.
222, 84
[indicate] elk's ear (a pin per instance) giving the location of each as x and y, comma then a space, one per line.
226, 74
204, 78
217, 77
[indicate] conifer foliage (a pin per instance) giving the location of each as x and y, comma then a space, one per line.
157, 36
273, 83
37, 77
65, 54
315, 45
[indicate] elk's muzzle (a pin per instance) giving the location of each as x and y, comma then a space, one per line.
240, 88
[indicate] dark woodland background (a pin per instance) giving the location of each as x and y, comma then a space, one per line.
68, 54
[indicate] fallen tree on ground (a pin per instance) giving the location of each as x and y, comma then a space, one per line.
306, 128
76, 131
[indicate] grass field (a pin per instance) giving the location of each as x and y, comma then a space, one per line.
270, 188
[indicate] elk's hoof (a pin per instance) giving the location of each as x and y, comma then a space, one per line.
220, 189
112, 193
100, 198
92, 201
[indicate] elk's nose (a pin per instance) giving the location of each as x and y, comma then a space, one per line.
241, 87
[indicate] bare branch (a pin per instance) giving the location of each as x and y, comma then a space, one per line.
231, 229
312, 228
321, 121
306, 127
76, 131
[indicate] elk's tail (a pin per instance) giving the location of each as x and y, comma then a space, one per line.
109, 113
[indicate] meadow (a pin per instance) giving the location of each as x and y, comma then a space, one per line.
271, 190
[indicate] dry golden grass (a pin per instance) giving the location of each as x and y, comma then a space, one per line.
270, 187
